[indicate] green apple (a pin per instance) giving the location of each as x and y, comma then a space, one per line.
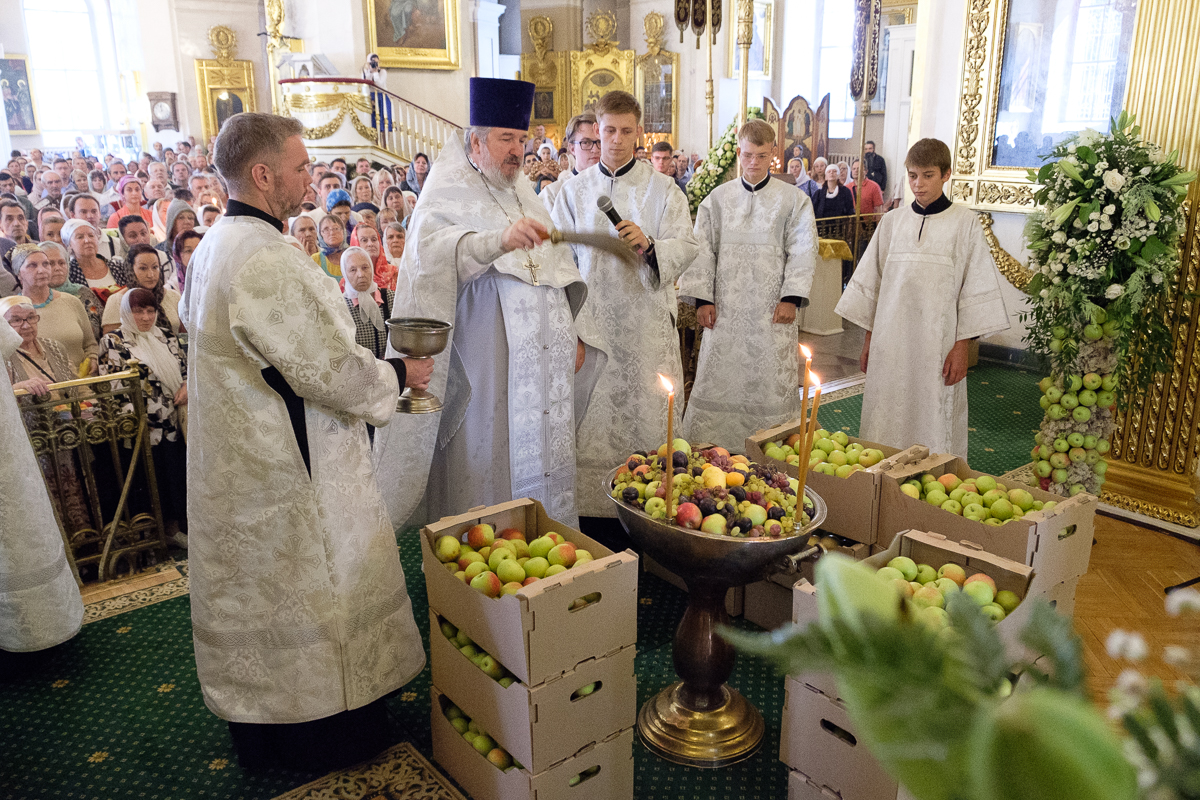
447, 549
840, 437
928, 597
1092, 381
980, 592
928, 478
1069, 401
1105, 399
911, 491
1100, 467
448, 630
1007, 600
582, 557
462, 640
459, 724
1093, 332
994, 612
971, 498
925, 574
509, 571
507, 681
1108, 382
1059, 475
985, 483
562, 555
474, 569
470, 651
539, 547
1081, 414
992, 495
1056, 412
1087, 398
484, 744
936, 497
890, 574
499, 554
1054, 394
1089, 442
1021, 499
946, 586
954, 572
1043, 469
1075, 439
1001, 509
536, 567
491, 667
1045, 383
936, 618
845, 471
907, 567
957, 494
554, 570
656, 507
953, 506
1075, 382
1103, 446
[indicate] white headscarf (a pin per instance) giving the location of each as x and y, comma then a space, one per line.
365, 298
150, 348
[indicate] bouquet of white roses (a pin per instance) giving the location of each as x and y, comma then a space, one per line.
1104, 249
716, 165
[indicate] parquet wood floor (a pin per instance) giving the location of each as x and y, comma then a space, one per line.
1123, 588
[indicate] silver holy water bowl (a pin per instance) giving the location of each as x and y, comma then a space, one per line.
416, 337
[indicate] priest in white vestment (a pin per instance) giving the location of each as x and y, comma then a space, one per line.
634, 306
583, 146
525, 353
758, 251
924, 288
300, 617
40, 604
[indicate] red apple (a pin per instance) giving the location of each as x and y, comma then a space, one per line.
487, 583
713, 523
563, 554
557, 537
480, 536
529, 580
688, 516
512, 533
979, 576
954, 572
467, 559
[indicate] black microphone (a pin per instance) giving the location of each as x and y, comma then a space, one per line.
604, 203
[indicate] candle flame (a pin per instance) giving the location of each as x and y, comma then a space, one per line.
666, 383
816, 379
806, 351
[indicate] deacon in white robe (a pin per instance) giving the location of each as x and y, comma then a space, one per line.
299, 606
926, 285
40, 604
524, 354
758, 250
635, 307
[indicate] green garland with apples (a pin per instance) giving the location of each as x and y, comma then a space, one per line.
717, 164
1105, 257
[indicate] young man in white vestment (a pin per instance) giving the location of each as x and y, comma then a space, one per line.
925, 287
583, 145
758, 250
525, 353
300, 617
634, 306
40, 605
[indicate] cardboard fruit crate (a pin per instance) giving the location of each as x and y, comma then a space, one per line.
818, 740
534, 633
544, 724
484, 781
1056, 543
853, 501
769, 603
801, 787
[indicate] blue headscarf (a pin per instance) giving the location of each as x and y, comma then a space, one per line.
336, 198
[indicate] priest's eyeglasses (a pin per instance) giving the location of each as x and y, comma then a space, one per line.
588, 144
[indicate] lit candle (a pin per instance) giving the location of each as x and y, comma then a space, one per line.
669, 470
806, 356
810, 428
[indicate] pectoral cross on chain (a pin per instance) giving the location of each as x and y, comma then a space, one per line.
533, 269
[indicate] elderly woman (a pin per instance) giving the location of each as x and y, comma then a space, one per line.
181, 253
367, 214
393, 198
304, 228
63, 317
393, 242
361, 190
331, 238
40, 605
145, 273
132, 202
385, 217
164, 388
382, 180
60, 281
833, 199
369, 305
87, 266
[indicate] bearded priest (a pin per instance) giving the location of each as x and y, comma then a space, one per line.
300, 617
634, 306
525, 353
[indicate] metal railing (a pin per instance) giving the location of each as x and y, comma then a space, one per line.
75, 430
856, 231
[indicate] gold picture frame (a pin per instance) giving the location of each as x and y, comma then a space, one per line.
657, 84
548, 71
977, 181
225, 84
600, 68
20, 110
760, 49
419, 45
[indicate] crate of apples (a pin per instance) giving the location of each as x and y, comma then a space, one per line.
712, 491
832, 453
982, 499
500, 564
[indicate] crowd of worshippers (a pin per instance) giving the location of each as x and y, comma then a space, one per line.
94, 258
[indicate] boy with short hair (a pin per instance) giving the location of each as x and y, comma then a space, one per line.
758, 251
926, 286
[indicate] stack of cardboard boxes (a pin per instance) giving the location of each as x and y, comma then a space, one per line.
568, 718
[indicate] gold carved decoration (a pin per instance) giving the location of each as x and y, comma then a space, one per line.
547, 71
755, 18
657, 82
600, 26
343, 104
600, 68
225, 84
1017, 273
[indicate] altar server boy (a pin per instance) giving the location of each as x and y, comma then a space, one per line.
925, 287
758, 250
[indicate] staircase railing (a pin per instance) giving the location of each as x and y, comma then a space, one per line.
346, 112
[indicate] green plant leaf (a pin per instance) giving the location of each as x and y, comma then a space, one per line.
1052, 635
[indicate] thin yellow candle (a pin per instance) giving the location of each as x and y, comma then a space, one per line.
807, 441
806, 355
669, 470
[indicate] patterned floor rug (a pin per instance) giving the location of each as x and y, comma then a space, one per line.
399, 773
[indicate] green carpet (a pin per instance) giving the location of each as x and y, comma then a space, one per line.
117, 713
1003, 415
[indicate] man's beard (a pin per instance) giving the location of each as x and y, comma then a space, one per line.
494, 172
283, 206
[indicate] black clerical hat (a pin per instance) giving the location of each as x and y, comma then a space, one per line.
501, 103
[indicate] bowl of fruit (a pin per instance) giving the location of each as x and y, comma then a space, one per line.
724, 519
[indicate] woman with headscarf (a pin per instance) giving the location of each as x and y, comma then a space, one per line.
164, 390
394, 237
144, 273
304, 228
369, 304
105, 197
417, 174
132, 202
339, 204
180, 217
40, 605
87, 266
331, 238
63, 317
361, 190
60, 281
366, 238
33, 366
181, 253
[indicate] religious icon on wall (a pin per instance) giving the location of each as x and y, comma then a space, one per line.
227, 103
598, 84
225, 83
413, 34
543, 105
18, 96
760, 45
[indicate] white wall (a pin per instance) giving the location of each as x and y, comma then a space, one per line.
937, 82
12, 39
